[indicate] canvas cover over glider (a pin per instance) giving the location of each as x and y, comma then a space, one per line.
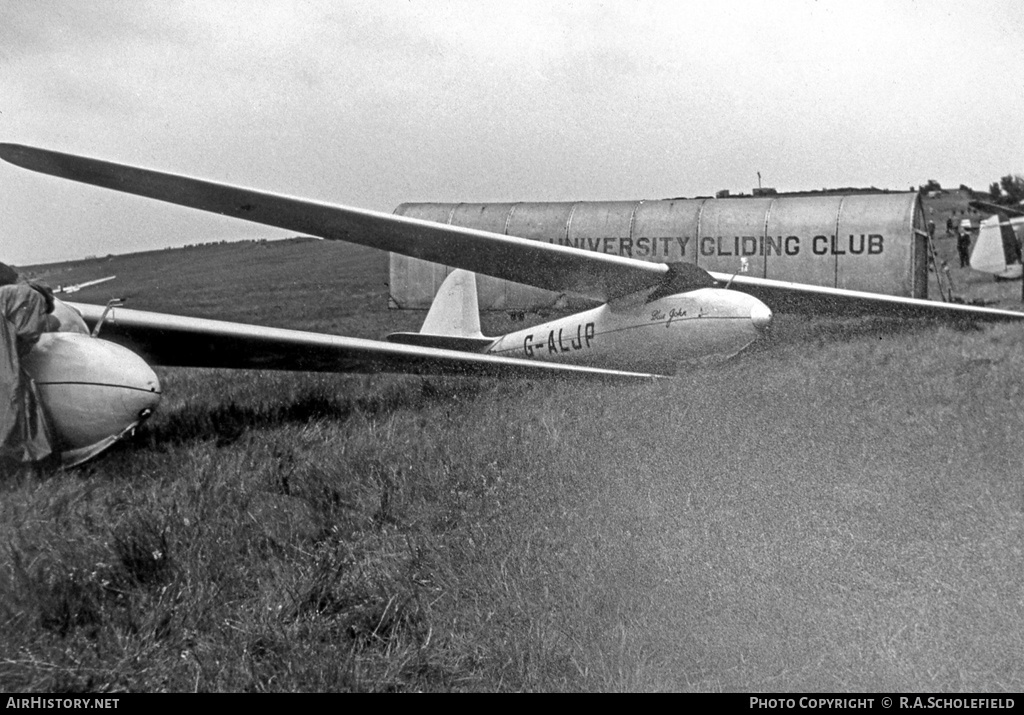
23, 429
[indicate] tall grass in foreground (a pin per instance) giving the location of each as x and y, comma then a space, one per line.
824, 515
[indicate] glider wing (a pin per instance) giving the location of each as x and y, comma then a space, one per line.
544, 265
558, 268
174, 340
821, 300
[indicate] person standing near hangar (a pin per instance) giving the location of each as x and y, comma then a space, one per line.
26, 314
963, 247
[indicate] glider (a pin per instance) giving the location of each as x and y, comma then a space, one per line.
997, 250
79, 286
96, 391
653, 317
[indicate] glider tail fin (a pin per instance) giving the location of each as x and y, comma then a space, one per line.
455, 310
453, 321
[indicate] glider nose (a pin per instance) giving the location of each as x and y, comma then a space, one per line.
761, 316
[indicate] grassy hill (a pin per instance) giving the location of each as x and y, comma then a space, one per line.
839, 509
302, 283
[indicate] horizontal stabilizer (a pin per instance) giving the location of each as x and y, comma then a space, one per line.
444, 342
453, 321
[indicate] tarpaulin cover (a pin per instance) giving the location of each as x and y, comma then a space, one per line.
23, 430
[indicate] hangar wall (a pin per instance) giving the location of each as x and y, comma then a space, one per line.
870, 242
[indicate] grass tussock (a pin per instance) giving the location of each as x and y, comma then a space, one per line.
837, 512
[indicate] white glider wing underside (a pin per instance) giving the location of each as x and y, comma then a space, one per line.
174, 340
822, 300
556, 268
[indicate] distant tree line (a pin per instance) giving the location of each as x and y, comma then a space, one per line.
933, 185
1008, 190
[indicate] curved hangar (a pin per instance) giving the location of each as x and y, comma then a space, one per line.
867, 242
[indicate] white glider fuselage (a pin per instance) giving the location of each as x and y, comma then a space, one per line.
643, 331
698, 326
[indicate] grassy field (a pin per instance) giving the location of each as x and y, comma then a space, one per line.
838, 509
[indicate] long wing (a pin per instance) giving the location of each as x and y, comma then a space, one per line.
175, 340
556, 268
822, 300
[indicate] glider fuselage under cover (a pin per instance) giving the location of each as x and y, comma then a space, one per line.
702, 325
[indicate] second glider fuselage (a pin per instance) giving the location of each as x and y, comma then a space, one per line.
707, 324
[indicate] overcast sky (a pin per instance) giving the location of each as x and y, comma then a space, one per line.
371, 103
